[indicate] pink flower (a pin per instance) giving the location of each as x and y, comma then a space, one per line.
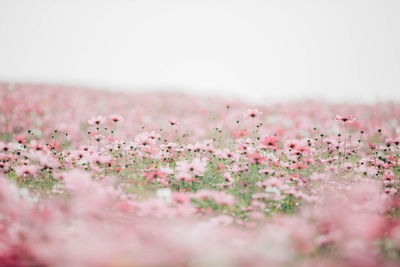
388, 141
54, 145
5, 147
173, 122
256, 158
144, 139
372, 146
291, 144
195, 168
396, 141
20, 139
116, 118
241, 133
26, 170
346, 120
97, 120
252, 113
98, 137
36, 146
150, 176
270, 142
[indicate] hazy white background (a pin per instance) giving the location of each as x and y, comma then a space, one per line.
280, 50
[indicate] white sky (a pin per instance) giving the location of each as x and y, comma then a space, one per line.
281, 49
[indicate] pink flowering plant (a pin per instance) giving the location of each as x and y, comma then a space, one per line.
95, 178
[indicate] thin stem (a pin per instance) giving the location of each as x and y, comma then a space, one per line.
254, 134
345, 141
223, 120
379, 146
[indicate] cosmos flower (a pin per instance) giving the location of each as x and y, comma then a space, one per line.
256, 158
26, 170
291, 144
19, 139
197, 167
153, 175
97, 120
252, 113
172, 122
346, 120
271, 142
116, 118
241, 133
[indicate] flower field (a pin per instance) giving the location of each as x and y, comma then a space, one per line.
99, 178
